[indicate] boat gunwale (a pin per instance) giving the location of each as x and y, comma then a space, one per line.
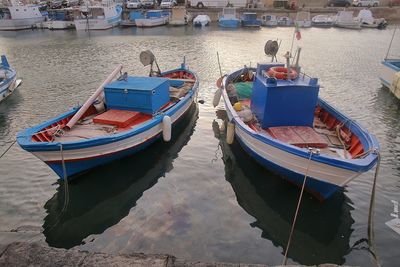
24, 137
388, 63
359, 165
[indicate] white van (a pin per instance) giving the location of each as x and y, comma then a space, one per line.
217, 3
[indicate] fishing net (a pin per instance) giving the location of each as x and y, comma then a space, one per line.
244, 90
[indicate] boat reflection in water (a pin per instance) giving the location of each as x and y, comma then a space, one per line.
322, 231
107, 193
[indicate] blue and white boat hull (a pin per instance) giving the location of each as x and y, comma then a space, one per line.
325, 174
83, 155
8, 82
390, 75
229, 23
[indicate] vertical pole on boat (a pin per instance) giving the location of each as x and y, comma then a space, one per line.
390, 45
311, 151
287, 56
219, 65
218, 93
91, 99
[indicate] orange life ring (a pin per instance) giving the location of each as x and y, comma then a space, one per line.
281, 73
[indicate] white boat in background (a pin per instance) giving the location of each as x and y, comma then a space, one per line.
8, 79
201, 20
285, 21
322, 21
389, 73
153, 18
367, 20
269, 20
303, 19
98, 16
60, 19
128, 17
345, 19
179, 16
19, 17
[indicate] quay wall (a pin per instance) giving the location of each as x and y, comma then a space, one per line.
391, 14
34, 254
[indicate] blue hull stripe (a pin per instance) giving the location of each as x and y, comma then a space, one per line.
76, 167
320, 189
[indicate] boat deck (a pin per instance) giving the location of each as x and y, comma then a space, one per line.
94, 124
325, 136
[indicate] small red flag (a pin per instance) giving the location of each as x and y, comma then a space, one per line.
297, 32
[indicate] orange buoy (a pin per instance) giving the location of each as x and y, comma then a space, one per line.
281, 73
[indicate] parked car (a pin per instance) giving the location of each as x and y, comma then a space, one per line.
133, 4
168, 3
345, 3
368, 3
148, 3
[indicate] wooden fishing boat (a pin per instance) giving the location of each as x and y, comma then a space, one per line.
8, 79
121, 118
287, 128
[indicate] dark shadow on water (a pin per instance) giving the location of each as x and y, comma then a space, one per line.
102, 197
323, 229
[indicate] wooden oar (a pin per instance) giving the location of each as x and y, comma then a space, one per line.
183, 80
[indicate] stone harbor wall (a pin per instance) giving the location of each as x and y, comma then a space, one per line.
34, 254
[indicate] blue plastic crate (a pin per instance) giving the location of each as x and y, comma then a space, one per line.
142, 94
283, 103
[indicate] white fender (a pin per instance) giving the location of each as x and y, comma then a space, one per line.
230, 133
217, 97
166, 128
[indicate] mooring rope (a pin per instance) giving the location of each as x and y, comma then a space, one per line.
371, 236
8, 148
298, 204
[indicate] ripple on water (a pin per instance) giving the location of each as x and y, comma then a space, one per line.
193, 198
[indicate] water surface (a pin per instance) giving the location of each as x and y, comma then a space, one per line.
196, 197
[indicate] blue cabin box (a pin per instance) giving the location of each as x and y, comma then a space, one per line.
282, 102
142, 94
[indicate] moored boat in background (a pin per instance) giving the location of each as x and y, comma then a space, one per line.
367, 20
60, 19
179, 16
282, 123
153, 18
285, 21
303, 19
128, 17
345, 19
19, 17
249, 19
322, 21
228, 18
8, 79
121, 118
269, 20
98, 16
201, 21
389, 73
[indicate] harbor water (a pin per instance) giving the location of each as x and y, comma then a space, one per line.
196, 197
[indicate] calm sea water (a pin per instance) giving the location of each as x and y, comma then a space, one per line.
196, 197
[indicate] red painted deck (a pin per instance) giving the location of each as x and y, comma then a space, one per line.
120, 118
301, 136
